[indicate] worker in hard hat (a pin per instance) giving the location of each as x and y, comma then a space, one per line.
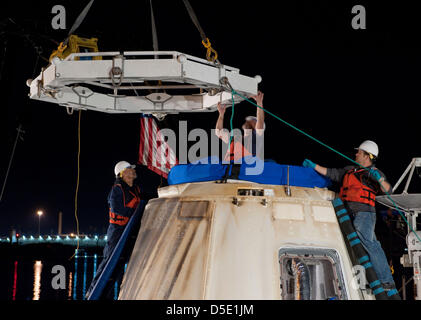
359, 188
253, 129
123, 200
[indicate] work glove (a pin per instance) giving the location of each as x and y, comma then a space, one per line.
309, 164
375, 174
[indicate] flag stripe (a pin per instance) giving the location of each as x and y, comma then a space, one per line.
154, 152
150, 138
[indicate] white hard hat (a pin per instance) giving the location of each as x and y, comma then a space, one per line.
253, 118
370, 147
121, 166
250, 118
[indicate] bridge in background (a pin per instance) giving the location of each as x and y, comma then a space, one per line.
69, 239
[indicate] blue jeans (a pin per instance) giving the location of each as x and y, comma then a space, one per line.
364, 224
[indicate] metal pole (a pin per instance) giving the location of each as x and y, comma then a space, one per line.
39, 225
403, 287
403, 175
405, 191
60, 218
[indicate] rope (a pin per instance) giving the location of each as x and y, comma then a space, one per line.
233, 92
4, 58
77, 183
18, 135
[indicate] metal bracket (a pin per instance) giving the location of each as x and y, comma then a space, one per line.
117, 71
235, 201
264, 202
158, 99
287, 187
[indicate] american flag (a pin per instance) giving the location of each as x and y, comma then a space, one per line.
154, 152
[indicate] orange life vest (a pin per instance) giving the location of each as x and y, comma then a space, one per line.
131, 204
353, 188
236, 152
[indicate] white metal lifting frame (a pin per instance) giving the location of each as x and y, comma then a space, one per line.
71, 82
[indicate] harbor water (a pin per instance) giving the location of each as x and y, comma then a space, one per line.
48, 277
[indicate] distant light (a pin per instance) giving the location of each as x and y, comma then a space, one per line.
48, 238
96, 237
40, 213
17, 234
72, 234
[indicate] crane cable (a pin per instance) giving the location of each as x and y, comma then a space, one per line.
154, 37
77, 183
154, 32
211, 54
233, 92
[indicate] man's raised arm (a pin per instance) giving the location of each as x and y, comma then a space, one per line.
219, 128
260, 114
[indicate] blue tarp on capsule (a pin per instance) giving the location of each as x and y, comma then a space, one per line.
272, 173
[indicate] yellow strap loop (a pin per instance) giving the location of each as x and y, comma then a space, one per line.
206, 44
59, 51
211, 54
62, 47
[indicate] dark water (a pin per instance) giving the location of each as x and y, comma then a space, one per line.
31, 279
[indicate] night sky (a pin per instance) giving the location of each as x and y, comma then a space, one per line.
340, 85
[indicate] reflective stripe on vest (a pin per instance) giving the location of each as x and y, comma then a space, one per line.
133, 203
353, 189
117, 219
